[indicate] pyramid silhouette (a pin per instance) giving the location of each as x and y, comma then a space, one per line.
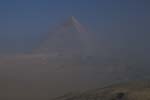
69, 39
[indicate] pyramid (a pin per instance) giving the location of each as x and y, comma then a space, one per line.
69, 39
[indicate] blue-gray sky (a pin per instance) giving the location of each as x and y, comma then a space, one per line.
122, 23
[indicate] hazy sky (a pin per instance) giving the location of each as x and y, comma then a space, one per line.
122, 23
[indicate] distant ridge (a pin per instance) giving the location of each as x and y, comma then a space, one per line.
70, 39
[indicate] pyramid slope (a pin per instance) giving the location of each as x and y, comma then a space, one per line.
71, 38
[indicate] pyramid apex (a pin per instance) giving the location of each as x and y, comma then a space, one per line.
72, 18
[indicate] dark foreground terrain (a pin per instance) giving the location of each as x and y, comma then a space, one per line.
40, 77
125, 91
